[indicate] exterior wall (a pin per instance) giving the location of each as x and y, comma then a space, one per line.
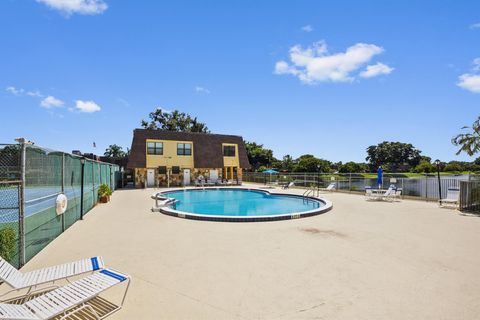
231, 161
140, 177
170, 157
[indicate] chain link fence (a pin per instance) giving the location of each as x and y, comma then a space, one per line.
31, 178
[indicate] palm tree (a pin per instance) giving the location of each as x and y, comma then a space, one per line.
114, 151
469, 142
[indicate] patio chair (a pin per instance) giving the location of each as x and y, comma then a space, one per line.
69, 300
289, 185
389, 195
452, 199
18, 280
368, 193
398, 193
331, 187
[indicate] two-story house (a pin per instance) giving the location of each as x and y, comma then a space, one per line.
168, 158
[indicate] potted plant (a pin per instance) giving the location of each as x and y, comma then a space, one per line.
104, 193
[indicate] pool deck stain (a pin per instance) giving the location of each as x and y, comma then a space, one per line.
361, 260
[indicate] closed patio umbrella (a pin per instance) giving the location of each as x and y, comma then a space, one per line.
380, 177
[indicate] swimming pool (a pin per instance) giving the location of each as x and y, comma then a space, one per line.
234, 204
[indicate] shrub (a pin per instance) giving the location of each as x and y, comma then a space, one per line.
8, 243
104, 191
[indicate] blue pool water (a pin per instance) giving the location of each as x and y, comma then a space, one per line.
239, 202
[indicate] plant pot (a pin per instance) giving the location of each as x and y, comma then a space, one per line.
104, 199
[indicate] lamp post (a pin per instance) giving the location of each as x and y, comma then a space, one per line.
82, 161
437, 162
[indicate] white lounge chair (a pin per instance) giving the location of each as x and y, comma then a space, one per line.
331, 187
289, 185
27, 280
389, 195
68, 300
368, 193
452, 199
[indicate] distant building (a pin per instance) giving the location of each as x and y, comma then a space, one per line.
157, 156
77, 152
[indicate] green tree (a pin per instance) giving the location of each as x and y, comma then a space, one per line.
424, 167
173, 121
259, 156
287, 163
309, 163
114, 151
393, 156
454, 166
353, 167
469, 142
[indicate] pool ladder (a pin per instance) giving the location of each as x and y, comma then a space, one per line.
310, 192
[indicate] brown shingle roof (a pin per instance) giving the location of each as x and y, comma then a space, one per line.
207, 152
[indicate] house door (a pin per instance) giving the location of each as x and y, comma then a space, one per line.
150, 178
186, 177
214, 175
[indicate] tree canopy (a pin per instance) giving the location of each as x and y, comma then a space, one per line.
309, 163
353, 167
173, 121
393, 156
258, 156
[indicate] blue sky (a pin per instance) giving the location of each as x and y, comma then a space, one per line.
327, 78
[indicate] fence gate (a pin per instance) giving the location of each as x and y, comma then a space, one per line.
470, 196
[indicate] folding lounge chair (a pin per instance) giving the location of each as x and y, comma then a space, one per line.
452, 199
19, 280
331, 187
368, 193
68, 300
287, 186
389, 195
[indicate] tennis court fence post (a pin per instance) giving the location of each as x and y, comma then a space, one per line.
21, 210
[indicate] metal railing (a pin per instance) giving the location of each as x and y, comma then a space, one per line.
425, 187
470, 196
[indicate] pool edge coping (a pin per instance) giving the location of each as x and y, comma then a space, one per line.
289, 216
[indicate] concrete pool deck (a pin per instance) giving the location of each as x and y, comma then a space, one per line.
361, 260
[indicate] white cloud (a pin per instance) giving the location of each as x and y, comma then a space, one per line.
21, 92
35, 93
87, 106
471, 81
51, 102
15, 91
475, 26
376, 70
68, 7
314, 64
307, 28
200, 89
